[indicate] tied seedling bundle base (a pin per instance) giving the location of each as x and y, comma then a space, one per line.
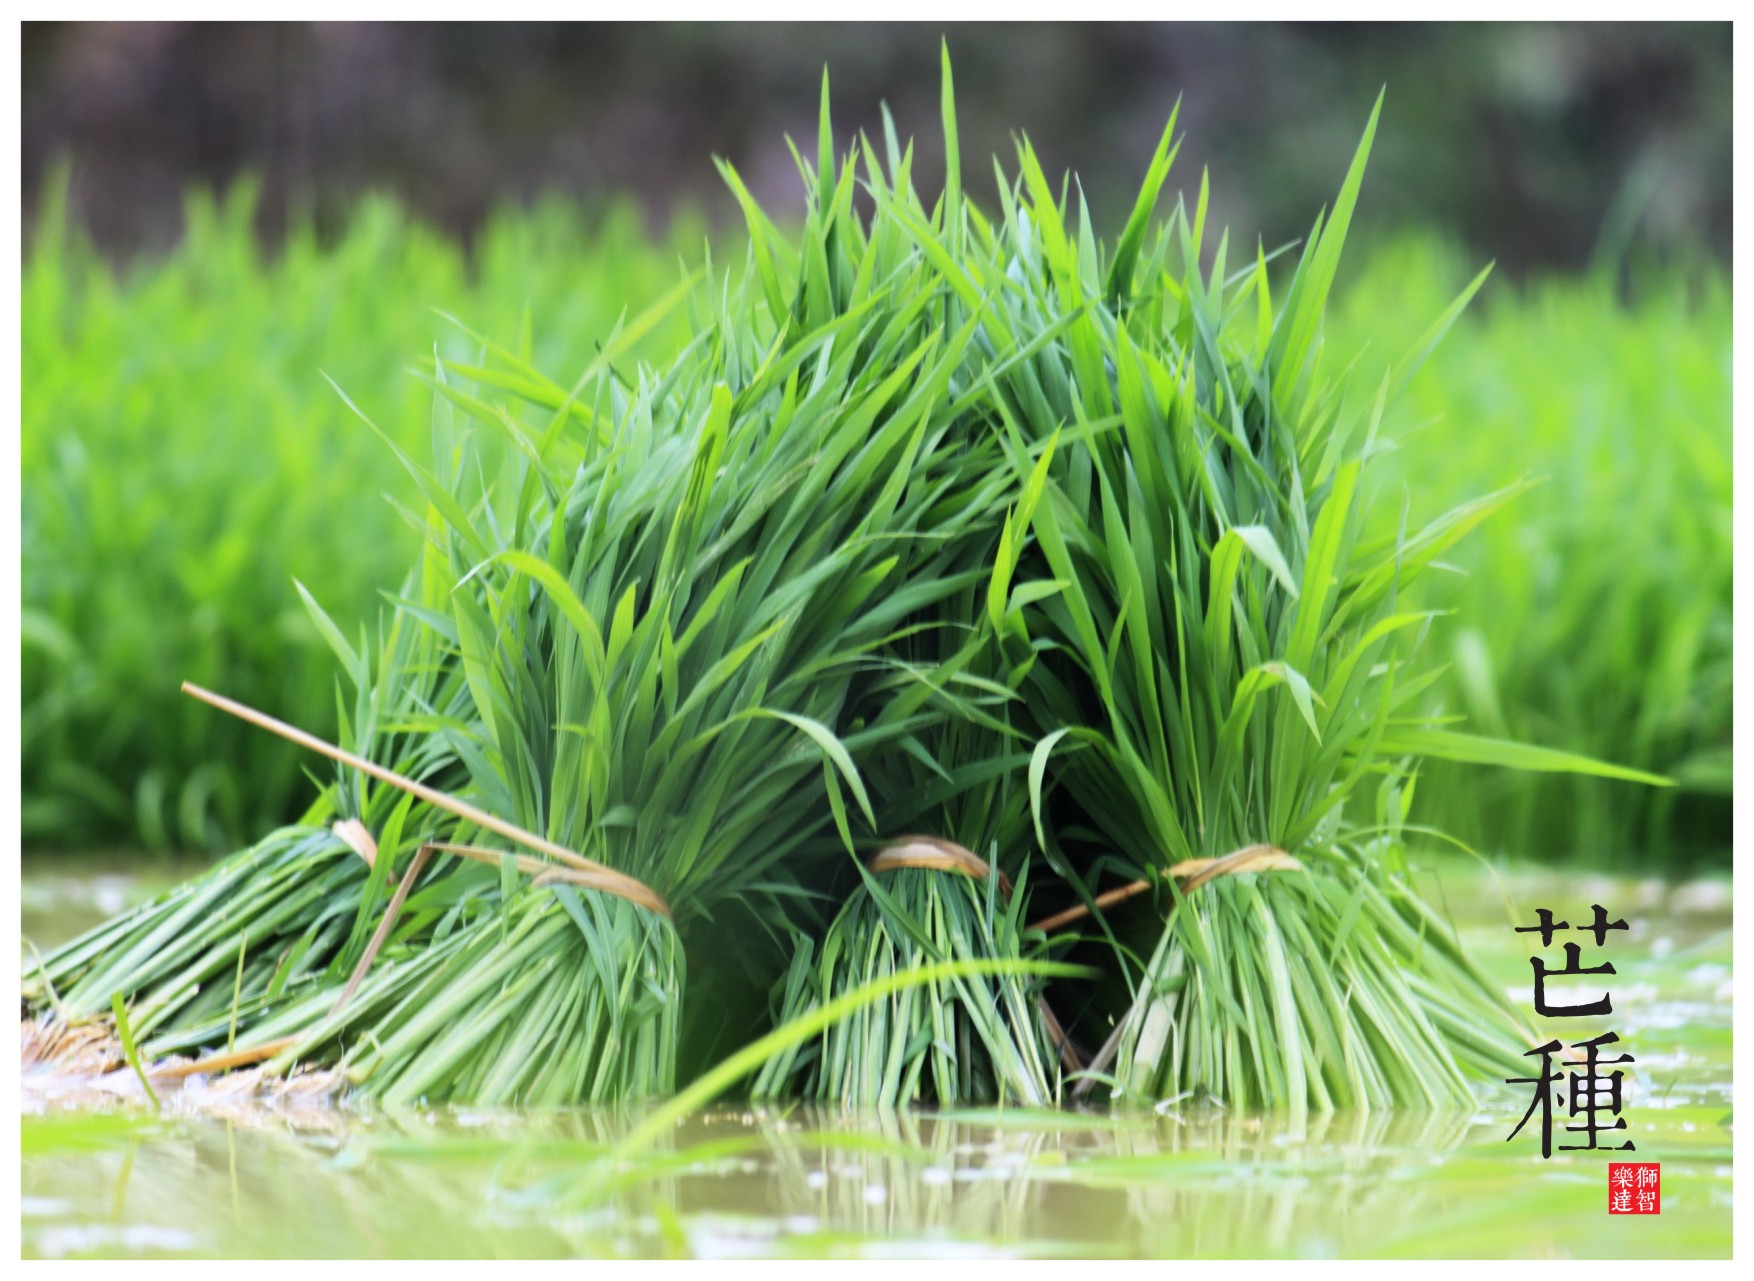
969, 1039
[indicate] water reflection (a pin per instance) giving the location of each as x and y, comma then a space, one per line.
1221, 1185
302, 1182
1186, 1183
908, 1176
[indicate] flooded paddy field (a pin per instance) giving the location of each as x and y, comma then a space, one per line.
216, 1175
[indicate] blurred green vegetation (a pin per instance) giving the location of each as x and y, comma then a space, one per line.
1594, 612
184, 461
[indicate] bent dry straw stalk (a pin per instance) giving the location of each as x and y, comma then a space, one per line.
597, 876
942, 522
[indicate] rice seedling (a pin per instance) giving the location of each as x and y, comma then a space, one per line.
966, 1038
922, 898
175, 958
1332, 989
290, 915
1596, 616
919, 900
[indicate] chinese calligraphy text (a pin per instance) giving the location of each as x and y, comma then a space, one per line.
1576, 1084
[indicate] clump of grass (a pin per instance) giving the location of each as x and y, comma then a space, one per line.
1596, 616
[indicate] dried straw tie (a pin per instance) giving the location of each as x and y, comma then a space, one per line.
1189, 874
577, 870
933, 854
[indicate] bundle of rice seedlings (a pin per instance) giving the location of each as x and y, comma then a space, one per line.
969, 1039
660, 625
955, 782
204, 963
168, 955
1224, 669
1025, 545
921, 899
654, 614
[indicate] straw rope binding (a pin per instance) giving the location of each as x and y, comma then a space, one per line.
1189, 875
934, 855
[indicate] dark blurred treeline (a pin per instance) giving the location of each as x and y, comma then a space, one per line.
1536, 144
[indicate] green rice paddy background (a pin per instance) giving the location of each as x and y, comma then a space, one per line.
185, 462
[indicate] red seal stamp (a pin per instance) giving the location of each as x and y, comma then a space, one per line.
1635, 1187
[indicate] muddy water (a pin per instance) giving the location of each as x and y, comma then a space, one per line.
212, 1175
